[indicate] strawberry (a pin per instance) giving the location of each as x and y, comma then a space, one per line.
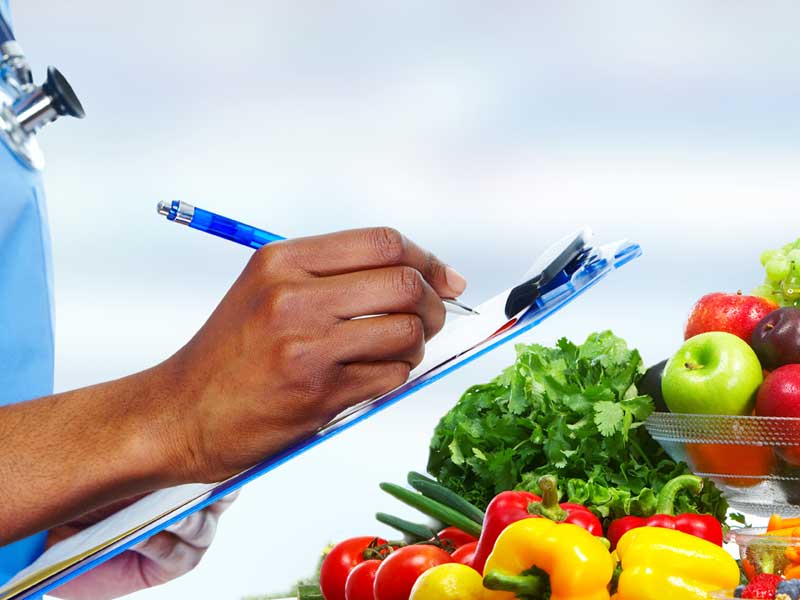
762, 586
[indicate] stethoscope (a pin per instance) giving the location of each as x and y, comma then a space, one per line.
26, 107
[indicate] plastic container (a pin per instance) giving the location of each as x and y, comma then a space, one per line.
754, 460
771, 554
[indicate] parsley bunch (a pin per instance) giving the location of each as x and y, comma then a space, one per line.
571, 411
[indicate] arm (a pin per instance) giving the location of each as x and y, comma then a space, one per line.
70, 453
280, 356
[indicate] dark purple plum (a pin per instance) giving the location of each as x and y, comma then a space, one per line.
776, 338
650, 384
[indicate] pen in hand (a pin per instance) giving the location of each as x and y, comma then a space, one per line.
234, 231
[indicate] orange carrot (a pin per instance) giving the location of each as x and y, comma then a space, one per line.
787, 532
792, 572
793, 554
776, 522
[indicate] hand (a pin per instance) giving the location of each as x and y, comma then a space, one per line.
162, 558
284, 352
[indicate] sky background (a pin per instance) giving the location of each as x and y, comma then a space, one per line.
483, 131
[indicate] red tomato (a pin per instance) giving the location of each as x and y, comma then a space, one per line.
361, 581
339, 562
457, 537
465, 553
399, 571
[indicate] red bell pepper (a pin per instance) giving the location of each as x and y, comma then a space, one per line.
706, 527
509, 507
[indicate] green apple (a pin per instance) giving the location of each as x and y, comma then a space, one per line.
713, 373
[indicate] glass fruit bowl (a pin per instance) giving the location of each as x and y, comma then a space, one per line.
773, 554
755, 461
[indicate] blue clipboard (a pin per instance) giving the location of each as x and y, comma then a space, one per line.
581, 266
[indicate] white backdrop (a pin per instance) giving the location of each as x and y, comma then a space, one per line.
482, 131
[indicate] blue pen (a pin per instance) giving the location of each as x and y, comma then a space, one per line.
247, 235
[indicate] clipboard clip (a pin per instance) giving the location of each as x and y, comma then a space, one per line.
555, 264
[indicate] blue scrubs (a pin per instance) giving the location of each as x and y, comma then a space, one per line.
26, 316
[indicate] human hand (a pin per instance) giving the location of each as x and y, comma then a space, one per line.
285, 351
159, 559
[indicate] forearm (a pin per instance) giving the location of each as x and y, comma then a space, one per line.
70, 453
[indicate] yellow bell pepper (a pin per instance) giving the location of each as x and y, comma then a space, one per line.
533, 556
664, 563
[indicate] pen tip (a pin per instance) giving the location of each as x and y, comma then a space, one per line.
163, 208
461, 305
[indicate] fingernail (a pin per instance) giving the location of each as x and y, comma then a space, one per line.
455, 280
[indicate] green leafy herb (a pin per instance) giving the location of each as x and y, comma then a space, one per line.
739, 518
572, 411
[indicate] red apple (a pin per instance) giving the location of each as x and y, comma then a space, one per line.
779, 396
733, 313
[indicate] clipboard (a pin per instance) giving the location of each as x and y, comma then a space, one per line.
564, 272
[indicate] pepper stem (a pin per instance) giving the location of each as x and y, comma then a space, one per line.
530, 587
665, 504
548, 507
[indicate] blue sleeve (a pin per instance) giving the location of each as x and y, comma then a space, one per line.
26, 316
5, 10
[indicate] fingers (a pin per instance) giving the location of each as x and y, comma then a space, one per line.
168, 556
399, 337
361, 249
197, 529
223, 504
382, 291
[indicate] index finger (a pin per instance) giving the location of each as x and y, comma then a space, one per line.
371, 248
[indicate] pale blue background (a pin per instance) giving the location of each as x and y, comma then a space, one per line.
483, 130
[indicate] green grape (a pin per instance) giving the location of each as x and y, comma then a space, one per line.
766, 256
764, 290
778, 267
791, 289
794, 258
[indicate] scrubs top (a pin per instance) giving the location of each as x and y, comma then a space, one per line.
26, 317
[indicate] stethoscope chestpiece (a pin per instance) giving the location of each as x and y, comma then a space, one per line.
46, 103
33, 108
25, 107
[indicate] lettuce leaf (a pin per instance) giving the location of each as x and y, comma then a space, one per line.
569, 410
